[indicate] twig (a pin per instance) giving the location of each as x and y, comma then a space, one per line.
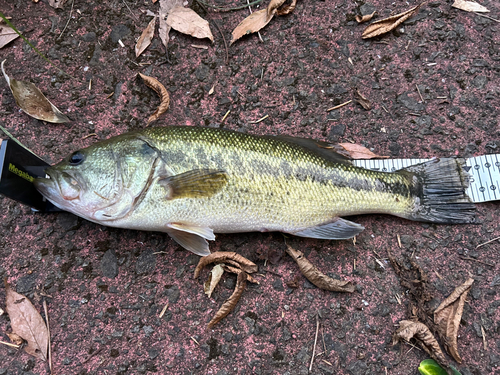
485, 345
421, 97
69, 19
225, 116
339, 106
399, 240
259, 120
9, 344
196, 341
221, 9
130, 10
475, 260
163, 311
485, 16
315, 341
258, 32
487, 242
48, 332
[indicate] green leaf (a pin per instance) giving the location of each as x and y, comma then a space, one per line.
431, 367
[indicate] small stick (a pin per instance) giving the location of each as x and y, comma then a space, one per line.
196, 341
476, 260
487, 242
259, 120
315, 341
485, 345
225, 116
338, 106
69, 19
9, 344
163, 311
258, 32
484, 15
48, 332
399, 240
423, 101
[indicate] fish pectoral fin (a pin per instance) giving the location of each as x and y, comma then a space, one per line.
190, 237
340, 229
194, 184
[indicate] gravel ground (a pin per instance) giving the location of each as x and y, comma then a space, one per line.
108, 286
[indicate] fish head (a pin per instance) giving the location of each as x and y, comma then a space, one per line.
100, 183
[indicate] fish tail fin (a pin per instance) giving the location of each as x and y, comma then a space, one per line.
440, 192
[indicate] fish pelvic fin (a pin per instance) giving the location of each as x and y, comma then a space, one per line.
194, 184
339, 229
439, 186
191, 237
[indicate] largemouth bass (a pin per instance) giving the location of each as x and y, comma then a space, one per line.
192, 182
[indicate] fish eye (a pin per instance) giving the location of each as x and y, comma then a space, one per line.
76, 158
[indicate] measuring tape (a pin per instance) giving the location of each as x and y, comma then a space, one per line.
484, 173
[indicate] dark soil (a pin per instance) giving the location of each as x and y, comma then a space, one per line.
108, 286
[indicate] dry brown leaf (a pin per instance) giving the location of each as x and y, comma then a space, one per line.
388, 24
237, 271
253, 23
164, 29
365, 18
469, 6
187, 21
365, 103
31, 100
409, 329
231, 302
226, 257
145, 39
354, 151
162, 92
315, 276
57, 3
27, 322
448, 315
7, 35
213, 279
15, 338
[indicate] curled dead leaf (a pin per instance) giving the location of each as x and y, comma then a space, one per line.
231, 302
365, 18
448, 315
410, 329
365, 103
237, 271
355, 151
7, 35
315, 276
58, 4
162, 92
15, 338
469, 6
31, 100
145, 39
213, 279
388, 24
187, 21
287, 9
27, 323
226, 257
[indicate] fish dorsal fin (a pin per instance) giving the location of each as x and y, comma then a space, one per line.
196, 183
329, 151
191, 237
340, 229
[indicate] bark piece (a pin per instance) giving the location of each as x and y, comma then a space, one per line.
162, 92
469, 6
412, 329
315, 276
224, 256
388, 24
448, 315
365, 103
27, 323
7, 35
31, 100
187, 21
231, 302
213, 279
146, 38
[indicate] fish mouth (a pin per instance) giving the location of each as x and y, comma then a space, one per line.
46, 186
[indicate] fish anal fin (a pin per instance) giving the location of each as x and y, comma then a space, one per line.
339, 229
191, 237
194, 184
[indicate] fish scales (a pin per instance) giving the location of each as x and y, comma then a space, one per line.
191, 182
